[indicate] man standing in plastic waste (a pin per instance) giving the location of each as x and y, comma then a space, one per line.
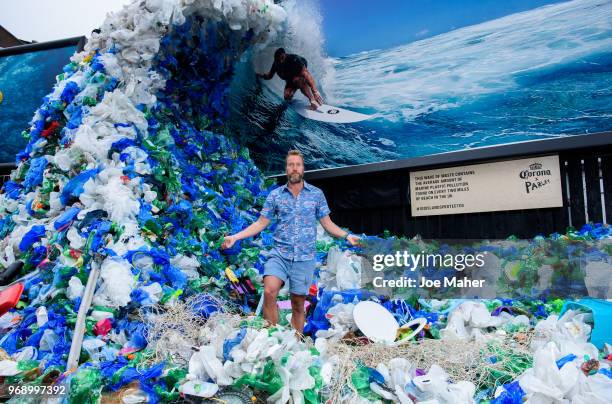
294, 70
297, 206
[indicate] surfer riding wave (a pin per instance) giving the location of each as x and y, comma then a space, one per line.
293, 69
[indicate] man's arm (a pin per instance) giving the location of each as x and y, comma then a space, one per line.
333, 229
255, 228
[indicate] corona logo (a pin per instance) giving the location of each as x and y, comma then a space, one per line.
535, 170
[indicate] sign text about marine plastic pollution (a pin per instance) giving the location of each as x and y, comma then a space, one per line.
506, 185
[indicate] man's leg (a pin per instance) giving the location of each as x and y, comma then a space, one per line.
300, 278
300, 82
272, 286
289, 92
311, 83
297, 312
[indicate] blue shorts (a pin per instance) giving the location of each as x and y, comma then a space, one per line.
298, 273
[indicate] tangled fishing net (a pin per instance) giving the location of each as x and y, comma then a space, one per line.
173, 330
483, 363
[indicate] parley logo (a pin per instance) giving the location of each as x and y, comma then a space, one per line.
534, 177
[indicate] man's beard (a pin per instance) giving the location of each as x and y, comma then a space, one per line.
295, 178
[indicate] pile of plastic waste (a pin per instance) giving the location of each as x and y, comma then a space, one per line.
128, 173
112, 224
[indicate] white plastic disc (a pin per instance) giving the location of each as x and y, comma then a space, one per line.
375, 322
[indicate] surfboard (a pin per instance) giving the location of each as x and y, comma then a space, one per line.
327, 113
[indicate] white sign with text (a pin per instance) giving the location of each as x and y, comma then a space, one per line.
506, 185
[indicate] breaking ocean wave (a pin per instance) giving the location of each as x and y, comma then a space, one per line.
537, 74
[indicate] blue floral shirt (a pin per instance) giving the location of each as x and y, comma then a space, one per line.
296, 232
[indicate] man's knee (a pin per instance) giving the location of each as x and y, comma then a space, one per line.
271, 292
289, 93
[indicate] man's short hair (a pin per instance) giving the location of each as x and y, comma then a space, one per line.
278, 52
294, 152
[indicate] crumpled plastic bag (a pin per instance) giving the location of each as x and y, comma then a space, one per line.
48, 340
596, 389
33, 235
74, 187
154, 293
545, 382
435, 386
204, 364
348, 271
94, 346
570, 333
109, 192
343, 270
230, 343
9, 368
469, 319
41, 316
75, 288
400, 370
188, 265
556, 377
296, 378
117, 283
341, 322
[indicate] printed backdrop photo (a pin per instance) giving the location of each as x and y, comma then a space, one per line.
436, 76
24, 80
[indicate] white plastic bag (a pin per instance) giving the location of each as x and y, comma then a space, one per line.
8, 368
117, 283
399, 372
188, 265
154, 291
75, 288
76, 241
93, 347
545, 381
341, 321
469, 319
595, 389
348, 271
204, 364
435, 386
48, 340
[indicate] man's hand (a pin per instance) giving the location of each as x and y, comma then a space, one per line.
353, 240
228, 242
253, 229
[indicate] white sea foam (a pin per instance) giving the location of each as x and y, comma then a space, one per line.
303, 35
455, 68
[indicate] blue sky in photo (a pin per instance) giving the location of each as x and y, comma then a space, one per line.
352, 26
